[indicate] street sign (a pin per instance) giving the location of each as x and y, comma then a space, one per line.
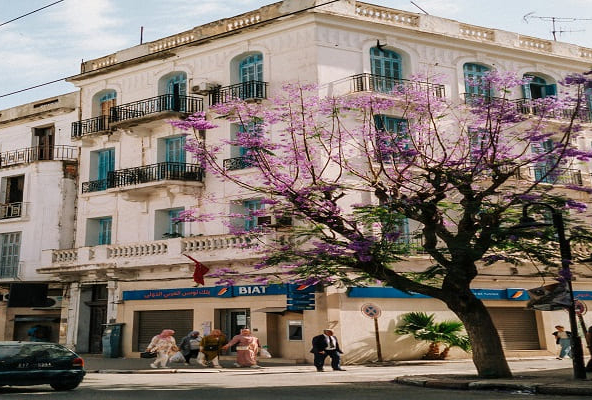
580, 307
371, 310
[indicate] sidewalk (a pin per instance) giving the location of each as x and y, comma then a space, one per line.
557, 381
554, 380
94, 363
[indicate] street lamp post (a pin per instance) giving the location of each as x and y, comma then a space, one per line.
577, 352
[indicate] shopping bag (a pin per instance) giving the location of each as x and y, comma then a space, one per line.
177, 357
264, 353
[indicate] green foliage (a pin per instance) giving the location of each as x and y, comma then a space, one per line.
423, 328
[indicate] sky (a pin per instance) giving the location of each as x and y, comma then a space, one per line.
50, 44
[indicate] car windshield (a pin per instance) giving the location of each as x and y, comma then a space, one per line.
34, 350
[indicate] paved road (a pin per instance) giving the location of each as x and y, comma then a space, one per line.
274, 383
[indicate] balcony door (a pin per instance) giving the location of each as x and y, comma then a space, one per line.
176, 87
473, 74
44, 138
105, 165
385, 68
250, 75
538, 88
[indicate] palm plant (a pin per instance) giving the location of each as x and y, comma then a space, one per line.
422, 327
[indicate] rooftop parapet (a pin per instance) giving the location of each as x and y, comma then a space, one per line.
345, 8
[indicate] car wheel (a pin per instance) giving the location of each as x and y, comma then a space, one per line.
64, 385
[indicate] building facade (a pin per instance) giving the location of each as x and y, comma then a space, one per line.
38, 173
128, 263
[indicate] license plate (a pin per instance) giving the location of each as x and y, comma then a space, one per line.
33, 365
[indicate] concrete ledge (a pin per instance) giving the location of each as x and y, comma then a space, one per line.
411, 380
447, 384
508, 386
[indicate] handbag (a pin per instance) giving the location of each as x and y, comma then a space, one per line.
147, 354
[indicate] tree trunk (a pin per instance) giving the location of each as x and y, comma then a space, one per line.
488, 355
433, 352
444, 353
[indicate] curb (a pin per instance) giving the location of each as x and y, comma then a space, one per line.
529, 387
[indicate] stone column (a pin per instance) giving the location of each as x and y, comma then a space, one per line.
70, 327
112, 300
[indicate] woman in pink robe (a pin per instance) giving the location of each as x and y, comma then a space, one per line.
246, 350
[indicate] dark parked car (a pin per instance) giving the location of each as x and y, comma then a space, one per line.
38, 363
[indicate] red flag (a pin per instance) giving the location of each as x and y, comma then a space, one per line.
200, 270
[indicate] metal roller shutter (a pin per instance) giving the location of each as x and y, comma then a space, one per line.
517, 328
151, 323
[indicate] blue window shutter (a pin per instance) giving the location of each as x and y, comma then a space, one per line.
106, 163
175, 149
526, 91
475, 72
386, 68
251, 220
105, 230
550, 90
177, 85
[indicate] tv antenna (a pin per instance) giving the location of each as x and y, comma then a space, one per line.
554, 21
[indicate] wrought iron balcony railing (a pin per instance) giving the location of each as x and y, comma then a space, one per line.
384, 84
232, 164
145, 174
528, 106
154, 105
251, 90
38, 153
559, 176
12, 210
90, 125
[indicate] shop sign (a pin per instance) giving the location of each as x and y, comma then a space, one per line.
197, 292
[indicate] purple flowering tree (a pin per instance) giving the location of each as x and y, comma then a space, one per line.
365, 188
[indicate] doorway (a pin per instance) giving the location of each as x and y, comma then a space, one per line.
98, 318
232, 320
45, 140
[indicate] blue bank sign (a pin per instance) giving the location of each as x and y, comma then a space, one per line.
515, 294
213, 291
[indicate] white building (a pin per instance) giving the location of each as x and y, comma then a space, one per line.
128, 264
38, 172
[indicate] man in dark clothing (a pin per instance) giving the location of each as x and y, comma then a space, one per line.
326, 345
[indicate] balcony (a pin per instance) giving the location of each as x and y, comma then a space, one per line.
384, 84
558, 176
251, 90
38, 153
528, 107
125, 257
13, 210
152, 108
90, 126
146, 174
137, 112
236, 163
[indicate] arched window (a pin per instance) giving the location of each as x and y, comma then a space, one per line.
538, 88
106, 101
473, 73
251, 68
177, 85
385, 68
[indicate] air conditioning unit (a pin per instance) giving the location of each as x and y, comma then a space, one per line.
203, 88
52, 303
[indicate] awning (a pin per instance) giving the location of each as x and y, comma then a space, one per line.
272, 310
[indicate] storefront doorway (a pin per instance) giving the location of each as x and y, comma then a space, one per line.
232, 320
